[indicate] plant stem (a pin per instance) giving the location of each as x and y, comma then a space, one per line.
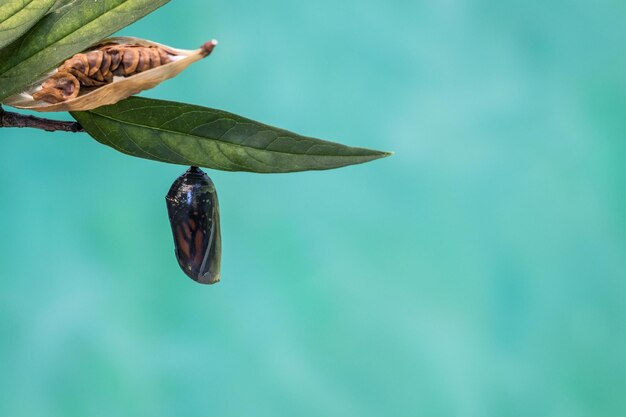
10, 119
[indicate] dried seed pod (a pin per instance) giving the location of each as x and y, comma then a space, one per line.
194, 215
107, 73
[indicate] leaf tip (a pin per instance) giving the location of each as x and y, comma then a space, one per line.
382, 154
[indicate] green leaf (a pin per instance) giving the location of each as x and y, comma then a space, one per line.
17, 16
68, 30
185, 134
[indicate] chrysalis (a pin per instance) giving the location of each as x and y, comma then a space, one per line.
194, 215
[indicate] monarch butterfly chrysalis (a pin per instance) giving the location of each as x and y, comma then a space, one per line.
194, 215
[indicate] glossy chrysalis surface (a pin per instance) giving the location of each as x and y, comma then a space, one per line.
194, 215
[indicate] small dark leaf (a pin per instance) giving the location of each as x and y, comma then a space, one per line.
185, 134
16, 17
69, 29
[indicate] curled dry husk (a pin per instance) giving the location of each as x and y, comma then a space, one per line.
121, 87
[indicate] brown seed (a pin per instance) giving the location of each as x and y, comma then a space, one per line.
77, 63
60, 87
144, 60
106, 63
130, 60
116, 59
155, 58
95, 60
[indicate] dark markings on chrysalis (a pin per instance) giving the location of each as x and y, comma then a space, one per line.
194, 214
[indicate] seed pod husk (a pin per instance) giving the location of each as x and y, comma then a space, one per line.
106, 73
194, 215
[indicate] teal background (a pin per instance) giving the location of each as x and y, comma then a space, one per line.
480, 271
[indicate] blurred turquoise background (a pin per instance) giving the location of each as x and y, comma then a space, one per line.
480, 271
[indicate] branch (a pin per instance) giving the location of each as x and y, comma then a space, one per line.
10, 119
